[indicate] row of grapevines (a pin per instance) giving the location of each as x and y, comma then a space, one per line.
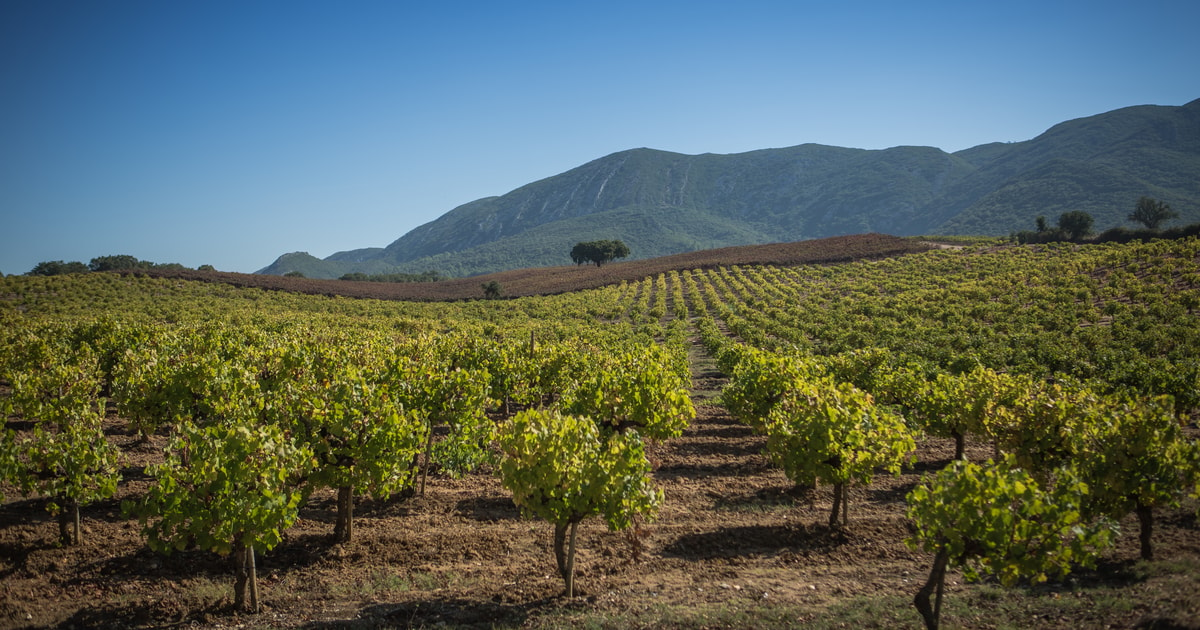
1092, 458
817, 429
64, 455
1079, 311
349, 410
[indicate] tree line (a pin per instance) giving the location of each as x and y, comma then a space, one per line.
1076, 226
103, 263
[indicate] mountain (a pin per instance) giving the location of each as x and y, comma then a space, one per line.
661, 203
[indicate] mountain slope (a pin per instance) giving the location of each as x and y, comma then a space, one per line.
1100, 164
661, 203
644, 230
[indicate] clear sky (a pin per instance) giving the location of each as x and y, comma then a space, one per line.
228, 133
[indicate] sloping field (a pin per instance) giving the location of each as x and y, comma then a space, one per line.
736, 544
554, 280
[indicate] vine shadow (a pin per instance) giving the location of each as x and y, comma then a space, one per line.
769, 498
1164, 624
733, 542
725, 449
134, 473
894, 494
25, 512
489, 509
18, 555
145, 614
692, 471
450, 612
147, 563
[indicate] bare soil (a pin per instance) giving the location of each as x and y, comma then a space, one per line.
734, 539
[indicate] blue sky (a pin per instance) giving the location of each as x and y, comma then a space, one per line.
228, 133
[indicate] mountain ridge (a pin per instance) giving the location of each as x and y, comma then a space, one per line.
662, 202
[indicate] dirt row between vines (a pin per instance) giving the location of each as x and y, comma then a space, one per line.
734, 540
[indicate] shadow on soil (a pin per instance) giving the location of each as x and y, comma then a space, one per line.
1165, 624
148, 564
153, 614
767, 498
719, 449
296, 553
754, 540
323, 508
894, 494
24, 512
488, 509
449, 612
1110, 573
701, 471
18, 556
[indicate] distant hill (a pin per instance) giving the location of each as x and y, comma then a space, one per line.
662, 203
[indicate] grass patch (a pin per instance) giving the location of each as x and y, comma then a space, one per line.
759, 504
420, 580
204, 592
382, 581
733, 614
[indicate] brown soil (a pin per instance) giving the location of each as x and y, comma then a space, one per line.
733, 533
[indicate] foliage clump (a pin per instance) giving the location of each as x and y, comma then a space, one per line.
1152, 212
598, 252
563, 469
999, 519
1073, 226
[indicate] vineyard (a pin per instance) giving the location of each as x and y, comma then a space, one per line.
1003, 435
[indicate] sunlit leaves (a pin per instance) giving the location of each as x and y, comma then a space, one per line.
758, 382
225, 484
561, 468
1037, 312
56, 386
637, 386
332, 395
835, 433
564, 468
195, 374
443, 387
1133, 453
1000, 520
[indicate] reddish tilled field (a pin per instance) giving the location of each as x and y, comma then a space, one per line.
553, 280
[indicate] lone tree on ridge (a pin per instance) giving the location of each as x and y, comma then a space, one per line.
1152, 212
598, 252
492, 290
1076, 223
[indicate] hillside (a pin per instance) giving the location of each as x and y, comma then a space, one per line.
663, 203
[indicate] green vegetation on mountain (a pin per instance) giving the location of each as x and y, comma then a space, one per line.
648, 234
662, 203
